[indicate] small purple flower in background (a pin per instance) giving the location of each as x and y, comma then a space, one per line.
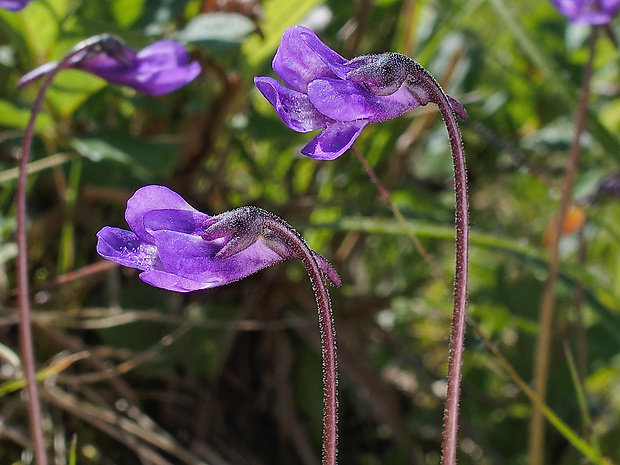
595, 12
14, 5
181, 249
326, 91
157, 69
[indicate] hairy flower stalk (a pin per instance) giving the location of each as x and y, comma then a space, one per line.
25, 328
340, 97
383, 73
182, 249
125, 66
287, 240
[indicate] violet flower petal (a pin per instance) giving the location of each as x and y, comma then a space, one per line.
208, 273
302, 57
337, 64
125, 248
159, 198
191, 257
334, 140
327, 91
14, 5
159, 68
348, 101
171, 282
36, 73
610, 6
182, 262
294, 108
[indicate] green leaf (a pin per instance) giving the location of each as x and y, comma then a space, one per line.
73, 450
216, 30
279, 14
126, 13
13, 116
97, 150
145, 159
70, 89
38, 24
158, 14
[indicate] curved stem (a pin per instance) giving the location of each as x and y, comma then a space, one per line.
543, 343
328, 335
457, 333
23, 292
459, 313
383, 75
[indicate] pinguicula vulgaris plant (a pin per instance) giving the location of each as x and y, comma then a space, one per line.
340, 97
181, 249
177, 247
156, 70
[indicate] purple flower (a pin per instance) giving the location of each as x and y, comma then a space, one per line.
14, 5
339, 96
157, 69
181, 249
593, 12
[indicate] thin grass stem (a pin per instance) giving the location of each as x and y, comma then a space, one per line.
385, 195
543, 342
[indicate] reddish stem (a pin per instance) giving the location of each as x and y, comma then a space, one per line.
23, 292
328, 336
459, 313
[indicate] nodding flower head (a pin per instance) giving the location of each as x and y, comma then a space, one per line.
157, 69
181, 249
595, 12
339, 96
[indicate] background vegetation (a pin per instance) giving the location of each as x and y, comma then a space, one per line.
233, 375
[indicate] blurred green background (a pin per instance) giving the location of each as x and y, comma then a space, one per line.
233, 375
